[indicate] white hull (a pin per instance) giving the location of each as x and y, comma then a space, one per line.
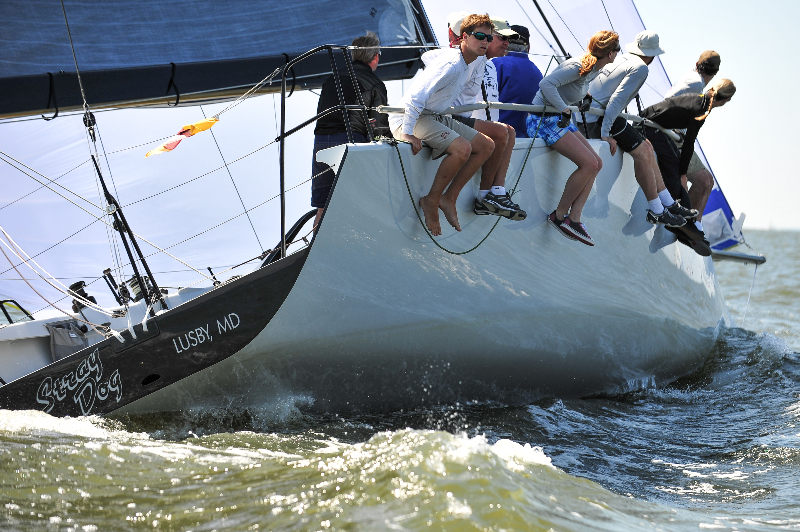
382, 318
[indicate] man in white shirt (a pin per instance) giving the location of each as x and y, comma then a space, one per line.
698, 175
434, 90
492, 195
613, 89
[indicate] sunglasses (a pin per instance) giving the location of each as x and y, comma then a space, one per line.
501, 37
617, 49
480, 35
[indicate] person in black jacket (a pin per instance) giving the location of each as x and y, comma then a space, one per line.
688, 111
331, 130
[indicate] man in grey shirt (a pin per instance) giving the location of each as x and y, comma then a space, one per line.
698, 175
613, 89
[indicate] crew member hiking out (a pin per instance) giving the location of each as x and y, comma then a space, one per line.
434, 90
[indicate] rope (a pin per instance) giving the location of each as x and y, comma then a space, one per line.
422, 223
16, 249
92, 325
752, 283
234, 182
74, 57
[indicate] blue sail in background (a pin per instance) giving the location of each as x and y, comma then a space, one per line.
720, 225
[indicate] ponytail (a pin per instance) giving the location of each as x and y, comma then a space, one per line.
723, 89
601, 44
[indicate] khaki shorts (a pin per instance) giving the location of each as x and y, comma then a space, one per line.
438, 132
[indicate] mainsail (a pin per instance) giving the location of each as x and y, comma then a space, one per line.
148, 52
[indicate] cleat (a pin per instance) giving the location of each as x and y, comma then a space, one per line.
577, 230
666, 218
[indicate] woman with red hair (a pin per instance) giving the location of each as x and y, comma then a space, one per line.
567, 85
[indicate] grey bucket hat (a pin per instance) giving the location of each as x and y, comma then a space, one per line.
645, 44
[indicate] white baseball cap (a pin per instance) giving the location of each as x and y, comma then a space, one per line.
454, 21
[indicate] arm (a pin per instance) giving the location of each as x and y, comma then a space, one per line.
688, 146
623, 94
421, 91
380, 97
550, 83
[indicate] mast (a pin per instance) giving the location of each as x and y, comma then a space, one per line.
552, 32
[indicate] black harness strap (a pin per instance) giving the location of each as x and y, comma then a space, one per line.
173, 85
486, 99
52, 97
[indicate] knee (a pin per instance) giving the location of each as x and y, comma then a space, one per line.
703, 180
643, 151
592, 165
483, 144
460, 148
512, 135
498, 133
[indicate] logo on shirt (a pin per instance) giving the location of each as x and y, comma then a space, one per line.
445, 134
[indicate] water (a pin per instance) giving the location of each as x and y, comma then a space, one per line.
717, 450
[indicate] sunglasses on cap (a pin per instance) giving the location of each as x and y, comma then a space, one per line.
480, 35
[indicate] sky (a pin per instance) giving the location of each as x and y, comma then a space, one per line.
751, 141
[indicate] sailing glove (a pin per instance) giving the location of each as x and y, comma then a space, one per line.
585, 104
564, 120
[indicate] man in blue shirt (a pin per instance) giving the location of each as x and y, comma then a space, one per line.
518, 79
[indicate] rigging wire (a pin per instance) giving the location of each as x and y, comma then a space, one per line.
100, 218
609, 18
20, 253
57, 243
40, 188
260, 246
89, 122
565, 24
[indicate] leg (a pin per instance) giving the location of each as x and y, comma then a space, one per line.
500, 135
458, 152
577, 149
505, 160
481, 148
702, 184
643, 162
317, 218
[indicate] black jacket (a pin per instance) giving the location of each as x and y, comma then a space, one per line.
373, 91
680, 113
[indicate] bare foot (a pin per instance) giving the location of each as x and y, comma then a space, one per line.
449, 210
431, 213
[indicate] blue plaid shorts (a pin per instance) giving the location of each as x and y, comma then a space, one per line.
549, 131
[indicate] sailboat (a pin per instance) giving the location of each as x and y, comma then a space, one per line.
373, 312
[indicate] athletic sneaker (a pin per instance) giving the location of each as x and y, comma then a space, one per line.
665, 218
679, 210
518, 213
577, 230
553, 220
503, 206
480, 209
